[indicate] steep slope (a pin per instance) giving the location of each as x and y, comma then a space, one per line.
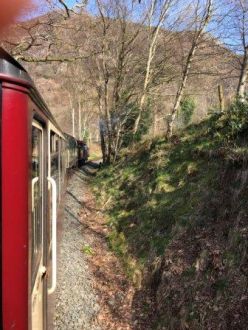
178, 213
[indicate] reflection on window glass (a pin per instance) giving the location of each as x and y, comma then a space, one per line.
55, 168
54, 165
57, 145
36, 242
52, 137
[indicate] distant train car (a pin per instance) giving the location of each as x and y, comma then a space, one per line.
83, 153
33, 152
72, 151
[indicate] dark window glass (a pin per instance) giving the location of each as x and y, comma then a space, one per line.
36, 241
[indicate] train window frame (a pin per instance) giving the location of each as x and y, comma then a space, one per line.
55, 156
38, 258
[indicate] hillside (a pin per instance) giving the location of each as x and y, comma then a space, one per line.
61, 82
178, 218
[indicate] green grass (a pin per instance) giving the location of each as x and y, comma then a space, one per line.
162, 188
87, 249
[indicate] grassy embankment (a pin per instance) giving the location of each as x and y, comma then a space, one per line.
179, 208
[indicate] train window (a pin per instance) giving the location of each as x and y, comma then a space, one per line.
62, 161
54, 165
54, 142
55, 169
55, 161
36, 242
57, 145
52, 135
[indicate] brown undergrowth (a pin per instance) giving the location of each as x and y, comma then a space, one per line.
122, 307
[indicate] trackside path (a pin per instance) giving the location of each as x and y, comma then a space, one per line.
76, 300
92, 291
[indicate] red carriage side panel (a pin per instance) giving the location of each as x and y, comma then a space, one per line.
15, 206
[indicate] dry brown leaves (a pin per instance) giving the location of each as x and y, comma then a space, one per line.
114, 290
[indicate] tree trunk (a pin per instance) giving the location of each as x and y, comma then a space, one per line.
154, 33
108, 123
143, 96
243, 76
141, 106
187, 68
221, 97
72, 115
103, 145
117, 140
181, 90
79, 120
154, 126
73, 122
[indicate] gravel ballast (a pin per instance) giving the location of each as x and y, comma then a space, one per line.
76, 302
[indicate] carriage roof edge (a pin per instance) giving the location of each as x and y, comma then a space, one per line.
12, 70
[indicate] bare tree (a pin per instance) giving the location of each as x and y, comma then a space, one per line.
240, 13
38, 40
201, 20
131, 55
110, 70
155, 22
81, 105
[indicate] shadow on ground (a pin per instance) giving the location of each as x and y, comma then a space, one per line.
89, 169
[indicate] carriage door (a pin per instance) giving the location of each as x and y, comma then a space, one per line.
38, 269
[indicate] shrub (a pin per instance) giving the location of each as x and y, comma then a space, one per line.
236, 120
145, 123
187, 108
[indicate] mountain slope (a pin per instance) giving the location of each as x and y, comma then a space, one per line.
61, 82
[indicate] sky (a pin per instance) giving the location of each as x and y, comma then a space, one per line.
40, 6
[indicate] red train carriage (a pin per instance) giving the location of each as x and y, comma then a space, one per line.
33, 165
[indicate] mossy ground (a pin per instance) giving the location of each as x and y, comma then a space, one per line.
165, 194
157, 189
